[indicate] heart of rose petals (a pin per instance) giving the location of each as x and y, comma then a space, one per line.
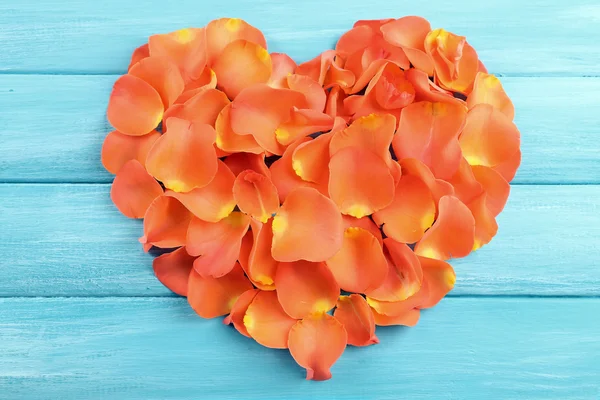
280, 185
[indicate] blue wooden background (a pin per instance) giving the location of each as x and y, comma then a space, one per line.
82, 316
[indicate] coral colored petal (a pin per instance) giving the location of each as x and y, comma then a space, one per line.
315, 95
495, 186
429, 132
489, 138
206, 80
266, 322
303, 123
185, 47
438, 280
238, 311
390, 88
240, 65
310, 159
213, 297
184, 158
260, 110
335, 104
409, 33
404, 275
244, 256
261, 265
166, 223
358, 320
425, 90
163, 75
409, 318
119, 148
228, 140
360, 182
221, 32
134, 189
438, 188
305, 288
316, 342
488, 90
239, 162
134, 107
256, 195
173, 270
466, 187
364, 223
202, 108
485, 223
360, 265
139, 54
410, 214
308, 227
452, 234
373, 132
214, 201
283, 66
508, 168
217, 243
354, 40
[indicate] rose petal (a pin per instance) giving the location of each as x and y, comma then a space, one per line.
134, 189
202, 108
374, 133
487, 89
163, 75
119, 148
358, 320
166, 223
139, 54
223, 31
266, 322
283, 66
173, 270
239, 309
240, 162
256, 195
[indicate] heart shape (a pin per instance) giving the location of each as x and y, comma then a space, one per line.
277, 185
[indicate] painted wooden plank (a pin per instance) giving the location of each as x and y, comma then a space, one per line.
79, 37
69, 240
158, 348
55, 125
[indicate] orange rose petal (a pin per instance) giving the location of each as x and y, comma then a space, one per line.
119, 148
165, 223
206, 80
283, 66
134, 107
495, 186
305, 288
452, 234
354, 40
315, 95
202, 108
228, 140
360, 182
425, 90
374, 133
429, 132
409, 33
212, 297
139, 54
363, 78
508, 168
360, 265
134, 189
410, 214
489, 138
302, 123
358, 320
221, 32
390, 88
244, 256
240, 65
238, 311
335, 103
485, 223
266, 322
455, 61
438, 187
310, 159
261, 265
466, 187
214, 201
336, 76
308, 227
217, 243
239, 162
163, 75
260, 110
404, 275
409, 318
488, 90
183, 158
438, 280
256, 195
364, 223
173, 270
185, 47
316, 342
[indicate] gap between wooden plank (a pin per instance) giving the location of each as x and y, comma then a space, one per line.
69, 240
158, 348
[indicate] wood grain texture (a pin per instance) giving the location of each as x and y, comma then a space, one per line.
55, 126
69, 240
512, 36
158, 348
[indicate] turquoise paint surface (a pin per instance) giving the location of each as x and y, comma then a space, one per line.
82, 316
